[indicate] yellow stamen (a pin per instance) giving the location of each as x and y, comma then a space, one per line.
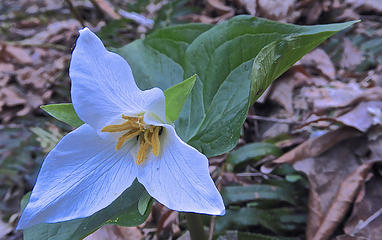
134, 126
119, 127
125, 137
142, 151
155, 141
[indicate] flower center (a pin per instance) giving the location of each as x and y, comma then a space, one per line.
148, 135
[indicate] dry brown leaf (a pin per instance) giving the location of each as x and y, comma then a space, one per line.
362, 117
365, 221
107, 8
113, 232
5, 228
250, 6
282, 10
341, 96
70, 26
316, 146
367, 5
6, 68
17, 53
352, 55
321, 61
282, 91
12, 97
345, 195
326, 173
219, 6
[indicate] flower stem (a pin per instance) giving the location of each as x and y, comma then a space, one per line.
195, 226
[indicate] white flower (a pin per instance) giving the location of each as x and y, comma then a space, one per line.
124, 137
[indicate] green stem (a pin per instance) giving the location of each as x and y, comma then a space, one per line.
195, 226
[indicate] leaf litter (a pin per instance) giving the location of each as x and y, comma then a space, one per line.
324, 115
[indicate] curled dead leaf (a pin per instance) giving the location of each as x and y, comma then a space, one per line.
362, 117
321, 61
342, 201
113, 232
316, 146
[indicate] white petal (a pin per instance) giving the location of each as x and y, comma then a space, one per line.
80, 176
103, 87
179, 177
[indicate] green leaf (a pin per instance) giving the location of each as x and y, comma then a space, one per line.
221, 125
251, 152
278, 220
123, 211
251, 236
150, 67
257, 192
63, 112
235, 62
280, 55
176, 96
144, 203
173, 41
224, 50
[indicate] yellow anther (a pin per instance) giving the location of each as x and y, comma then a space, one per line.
125, 137
134, 126
142, 151
119, 127
155, 141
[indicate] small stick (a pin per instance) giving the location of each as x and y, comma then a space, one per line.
270, 119
75, 12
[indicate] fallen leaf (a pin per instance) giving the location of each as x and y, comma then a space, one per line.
352, 55
282, 91
316, 146
18, 53
11, 97
5, 228
250, 6
321, 61
282, 10
367, 5
362, 117
327, 98
113, 232
365, 221
70, 26
344, 197
107, 8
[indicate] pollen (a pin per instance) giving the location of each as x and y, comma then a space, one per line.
134, 126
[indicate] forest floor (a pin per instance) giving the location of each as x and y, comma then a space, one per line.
317, 131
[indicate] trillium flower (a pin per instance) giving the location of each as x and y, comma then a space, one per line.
125, 136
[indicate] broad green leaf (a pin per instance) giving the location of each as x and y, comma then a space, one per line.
150, 67
173, 41
144, 203
278, 220
252, 236
176, 96
278, 56
157, 61
257, 192
221, 125
63, 112
251, 152
217, 53
234, 60
123, 211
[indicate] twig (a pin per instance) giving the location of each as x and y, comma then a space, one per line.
75, 12
40, 45
363, 224
138, 18
106, 8
270, 119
